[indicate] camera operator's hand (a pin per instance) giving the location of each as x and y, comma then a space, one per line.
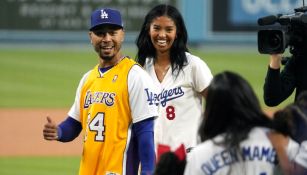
275, 61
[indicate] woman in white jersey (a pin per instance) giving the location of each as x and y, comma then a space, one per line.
233, 132
181, 77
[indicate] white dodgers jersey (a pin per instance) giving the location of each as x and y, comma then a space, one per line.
180, 102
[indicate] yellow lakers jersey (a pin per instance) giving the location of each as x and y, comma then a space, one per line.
106, 121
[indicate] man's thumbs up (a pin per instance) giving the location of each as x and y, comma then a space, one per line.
50, 130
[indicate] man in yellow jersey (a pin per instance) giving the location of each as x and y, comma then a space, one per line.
113, 107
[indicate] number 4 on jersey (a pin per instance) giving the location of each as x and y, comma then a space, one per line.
97, 125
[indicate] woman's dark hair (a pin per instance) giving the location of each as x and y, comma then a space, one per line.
232, 108
292, 120
301, 100
179, 47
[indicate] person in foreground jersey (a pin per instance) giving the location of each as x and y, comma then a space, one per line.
182, 78
111, 107
233, 132
290, 136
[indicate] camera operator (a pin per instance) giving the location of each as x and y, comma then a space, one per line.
279, 85
282, 31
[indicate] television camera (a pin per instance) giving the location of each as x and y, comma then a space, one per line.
280, 31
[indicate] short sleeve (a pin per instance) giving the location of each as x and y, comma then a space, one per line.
301, 157
189, 169
194, 160
74, 111
142, 94
201, 74
292, 149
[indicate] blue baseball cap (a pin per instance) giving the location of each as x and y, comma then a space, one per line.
106, 16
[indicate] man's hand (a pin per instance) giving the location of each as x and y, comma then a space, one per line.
275, 61
50, 131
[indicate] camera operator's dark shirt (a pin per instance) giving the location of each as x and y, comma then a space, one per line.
279, 86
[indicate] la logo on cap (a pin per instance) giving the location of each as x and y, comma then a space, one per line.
103, 14
106, 16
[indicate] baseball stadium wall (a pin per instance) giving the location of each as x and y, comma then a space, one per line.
207, 21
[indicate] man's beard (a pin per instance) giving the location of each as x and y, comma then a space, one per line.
102, 56
106, 58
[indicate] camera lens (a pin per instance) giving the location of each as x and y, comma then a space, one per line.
274, 40
271, 41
